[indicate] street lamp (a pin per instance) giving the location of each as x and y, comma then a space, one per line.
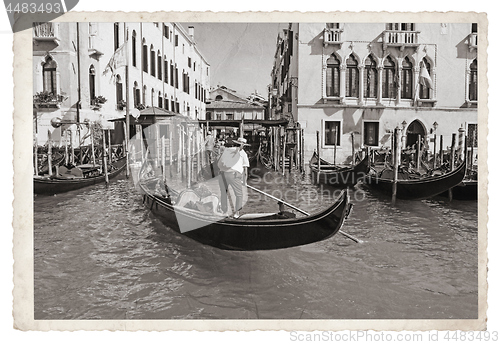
435, 125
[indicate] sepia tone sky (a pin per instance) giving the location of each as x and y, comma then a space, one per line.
240, 55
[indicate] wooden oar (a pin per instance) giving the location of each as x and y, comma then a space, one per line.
298, 209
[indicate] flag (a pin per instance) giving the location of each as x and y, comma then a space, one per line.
118, 60
424, 78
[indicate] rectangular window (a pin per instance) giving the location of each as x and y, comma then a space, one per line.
332, 133
370, 130
472, 134
229, 116
117, 36
176, 40
164, 131
218, 116
165, 68
332, 81
189, 62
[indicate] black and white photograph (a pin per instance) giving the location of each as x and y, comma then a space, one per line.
300, 168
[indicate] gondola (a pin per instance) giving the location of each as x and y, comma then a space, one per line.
419, 188
249, 232
339, 176
49, 185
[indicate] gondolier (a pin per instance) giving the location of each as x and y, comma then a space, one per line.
233, 165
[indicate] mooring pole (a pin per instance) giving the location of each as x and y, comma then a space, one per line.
104, 156
396, 166
319, 156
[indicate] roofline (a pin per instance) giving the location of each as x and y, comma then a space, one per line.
193, 42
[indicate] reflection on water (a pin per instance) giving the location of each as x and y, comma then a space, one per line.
99, 254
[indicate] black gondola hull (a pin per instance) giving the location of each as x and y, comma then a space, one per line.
419, 188
331, 175
254, 234
51, 186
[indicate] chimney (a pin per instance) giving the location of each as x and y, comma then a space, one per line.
191, 32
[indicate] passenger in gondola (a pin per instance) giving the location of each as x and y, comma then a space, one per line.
233, 165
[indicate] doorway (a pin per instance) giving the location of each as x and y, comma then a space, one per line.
414, 130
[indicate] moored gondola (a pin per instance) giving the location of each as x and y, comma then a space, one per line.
419, 188
339, 176
250, 232
49, 185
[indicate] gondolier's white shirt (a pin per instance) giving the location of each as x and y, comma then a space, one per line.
241, 163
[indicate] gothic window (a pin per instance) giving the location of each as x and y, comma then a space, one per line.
424, 91
389, 79
332, 77
160, 100
119, 89
137, 95
153, 58
92, 83
134, 49
352, 78
473, 81
159, 66
144, 56
49, 76
370, 78
407, 79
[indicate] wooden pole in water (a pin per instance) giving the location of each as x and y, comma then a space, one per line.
302, 149
36, 153
452, 162
92, 146
335, 146
170, 155
110, 151
395, 163
352, 148
319, 155
419, 142
283, 154
163, 166
104, 157
435, 155
66, 155
441, 151
72, 147
471, 160
49, 152
188, 159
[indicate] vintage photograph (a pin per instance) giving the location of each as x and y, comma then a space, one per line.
288, 170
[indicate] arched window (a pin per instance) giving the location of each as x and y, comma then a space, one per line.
92, 83
172, 74
153, 58
370, 78
218, 98
134, 49
159, 65
388, 79
425, 91
165, 102
152, 97
144, 56
352, 78
172, 104
119, 89
49, 76
165, 69
160, 100
137, 95
407, 79
332, 77
144, 92
473, 81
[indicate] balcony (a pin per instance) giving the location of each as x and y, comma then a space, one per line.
48, 32
472, 41
95, 46
400, 39
332, 36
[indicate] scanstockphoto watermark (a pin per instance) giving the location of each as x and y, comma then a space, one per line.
330, 336
373, 336
28, 14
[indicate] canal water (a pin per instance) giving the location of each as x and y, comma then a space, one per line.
100, 254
